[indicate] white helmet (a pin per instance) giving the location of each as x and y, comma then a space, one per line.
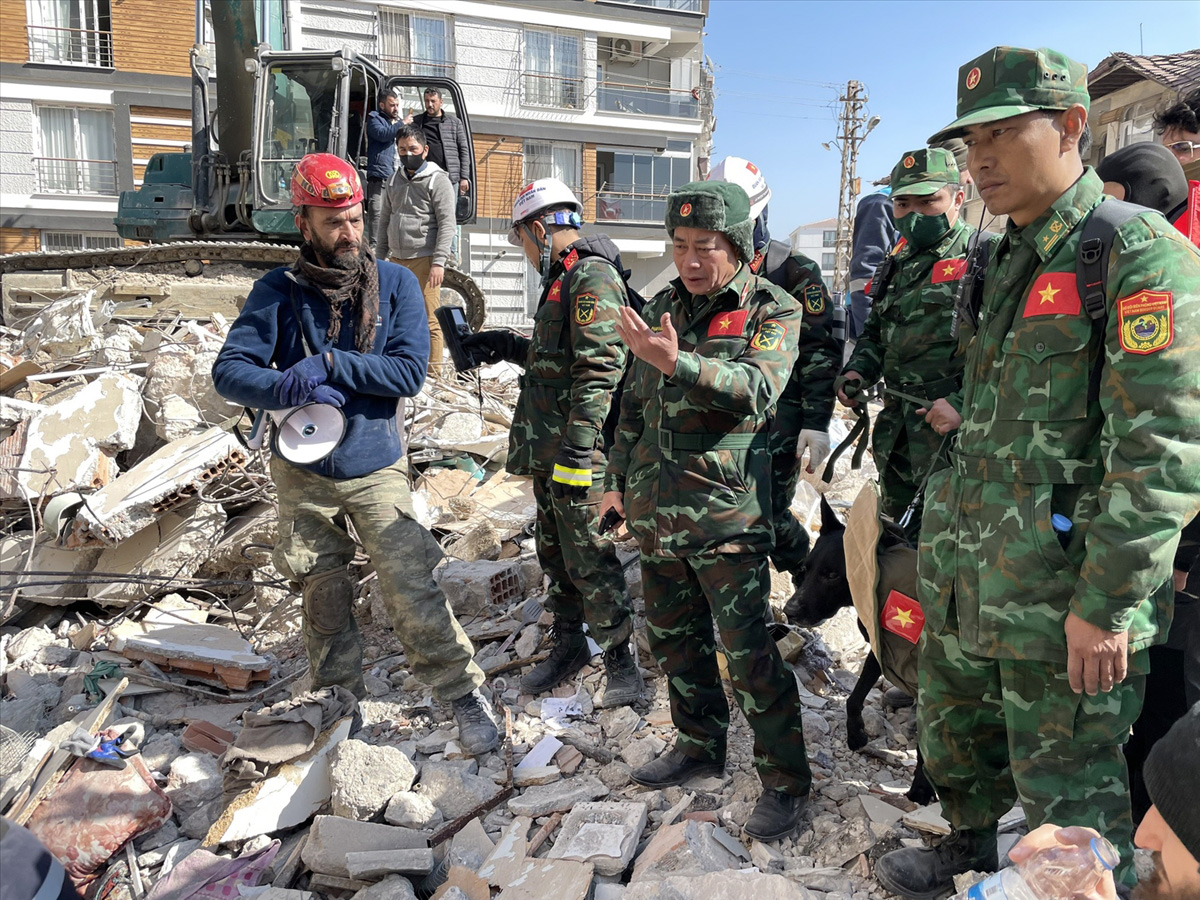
543, 194
745, 175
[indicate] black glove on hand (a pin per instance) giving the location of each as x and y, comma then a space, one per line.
572, 472
491, 347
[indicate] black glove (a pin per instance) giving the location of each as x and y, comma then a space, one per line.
490, 347
572, 472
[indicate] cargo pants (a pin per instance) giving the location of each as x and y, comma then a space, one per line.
587, 583
993, 731
683, 599
313, 514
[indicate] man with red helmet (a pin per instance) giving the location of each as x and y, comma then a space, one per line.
342, 328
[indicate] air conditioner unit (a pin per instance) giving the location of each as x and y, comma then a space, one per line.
626, 51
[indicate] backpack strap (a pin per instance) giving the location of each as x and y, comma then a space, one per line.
1095, 245
970, 287
774, 267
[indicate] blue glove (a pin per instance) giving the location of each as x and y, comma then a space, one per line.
298, 382
327, 393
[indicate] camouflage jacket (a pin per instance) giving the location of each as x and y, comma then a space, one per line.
572, 367
690, 453
807, 400
1096, 422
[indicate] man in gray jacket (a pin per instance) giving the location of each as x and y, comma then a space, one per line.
416, 224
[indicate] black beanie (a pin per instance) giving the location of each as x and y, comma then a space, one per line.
1172, 775
1150, 174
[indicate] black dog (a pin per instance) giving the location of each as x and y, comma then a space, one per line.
822, 592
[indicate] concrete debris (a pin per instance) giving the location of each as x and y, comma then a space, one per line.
561, 796
562, 879
203, 652
365, 778
413, 809
686, 848
331, 838
372, 865
453, 790
725, 885
394, 887
604, 834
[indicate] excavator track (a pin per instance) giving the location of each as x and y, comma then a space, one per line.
458, 288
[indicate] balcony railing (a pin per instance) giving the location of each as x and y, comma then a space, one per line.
631, 206
75, 176
561, 91
647, 100
394, 65
75, 46
682, 5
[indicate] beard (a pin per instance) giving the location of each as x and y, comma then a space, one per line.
1159, 888
340, 254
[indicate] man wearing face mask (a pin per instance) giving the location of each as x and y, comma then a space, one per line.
572, 365
907, 339
417, 225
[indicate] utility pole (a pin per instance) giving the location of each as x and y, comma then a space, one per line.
850, 135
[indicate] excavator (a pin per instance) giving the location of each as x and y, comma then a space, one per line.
227, 199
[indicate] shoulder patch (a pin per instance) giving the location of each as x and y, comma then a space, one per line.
585, 309
730, 324
769, 335
1053, 293
948, 270
570, 259
1147, 321
903, 615
555, 295
814, 299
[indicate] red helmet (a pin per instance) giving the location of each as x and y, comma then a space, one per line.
322, 179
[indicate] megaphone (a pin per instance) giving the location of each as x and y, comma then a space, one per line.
309, 433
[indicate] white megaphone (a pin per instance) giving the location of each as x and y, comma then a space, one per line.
309, 433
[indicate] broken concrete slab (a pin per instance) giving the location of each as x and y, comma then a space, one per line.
365, 778
394, 887
724, 885
286, 799
928, 819
562, 879
825, 879
412, 809
843, 844
453, 791
542, 800
879, 811
169, 477
195, 779
205, 652
372, 865
507, 858
527, 776
470, 847
332, 837
685, 848
604, 834
462, 884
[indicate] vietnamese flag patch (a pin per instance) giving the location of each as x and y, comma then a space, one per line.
728, 324
555, 295
1053, 294
948, 270
902, 615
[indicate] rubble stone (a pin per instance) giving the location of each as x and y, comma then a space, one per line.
453, 791
332, 837
394, 887
843, 843
194, 780
160, 750
545, 799
615, 775
28, 643
412, 809
686, 848
467, 585
723, 885
604, 834
369, 865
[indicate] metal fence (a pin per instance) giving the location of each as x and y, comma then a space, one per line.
647, 100
81, 46
75, 176
559, 91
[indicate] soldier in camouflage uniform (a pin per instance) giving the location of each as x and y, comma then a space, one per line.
573, 365
691, 469
801, 421
342, 329
1046, 550
906, 339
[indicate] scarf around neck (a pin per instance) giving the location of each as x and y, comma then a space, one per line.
356, 288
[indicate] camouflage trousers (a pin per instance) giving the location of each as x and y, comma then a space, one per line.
587, 582
683, 598
791, 537
313, 514
993, 731
902, 462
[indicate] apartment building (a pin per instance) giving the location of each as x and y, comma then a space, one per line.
611, 96
818, 241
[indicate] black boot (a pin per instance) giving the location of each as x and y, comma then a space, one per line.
921, 873
776, 815
675, 767
624, 684
476, 720
568, 655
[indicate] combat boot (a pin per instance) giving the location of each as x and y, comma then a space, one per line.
476, 723
568, 655
675, 767
921, 873
776, 815
624, 684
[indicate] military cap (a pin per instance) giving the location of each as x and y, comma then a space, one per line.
714, 206
1009, 81
923, 172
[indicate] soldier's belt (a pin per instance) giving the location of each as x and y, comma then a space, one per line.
702, 443
939, 387
1028, 471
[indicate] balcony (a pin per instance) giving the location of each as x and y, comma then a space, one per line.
559, 91
70, 46
395, 66
75, 176
677, 5
631, 206
647, 100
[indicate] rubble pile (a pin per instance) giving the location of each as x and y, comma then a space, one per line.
151, 664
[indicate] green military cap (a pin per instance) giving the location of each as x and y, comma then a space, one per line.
1009, 81
923, 172
714, 206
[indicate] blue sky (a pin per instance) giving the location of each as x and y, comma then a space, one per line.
780, 63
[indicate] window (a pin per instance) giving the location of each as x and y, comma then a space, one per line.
74, 32
828, 238
545, 159
828, 260
553, 69
628, 82
679, 5
633, 185
411, 44
77, 154
79, 240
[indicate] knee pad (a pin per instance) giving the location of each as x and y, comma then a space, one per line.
328, 601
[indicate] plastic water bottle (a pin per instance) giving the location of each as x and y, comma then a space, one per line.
1056, 873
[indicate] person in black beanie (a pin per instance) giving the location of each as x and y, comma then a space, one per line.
1170, 829
1147, 174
